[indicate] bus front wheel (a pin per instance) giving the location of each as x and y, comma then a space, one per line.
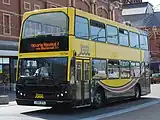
99, 99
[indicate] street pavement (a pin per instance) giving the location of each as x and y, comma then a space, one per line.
149, 113
146, 108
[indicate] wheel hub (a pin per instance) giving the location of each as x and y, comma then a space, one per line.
98, 98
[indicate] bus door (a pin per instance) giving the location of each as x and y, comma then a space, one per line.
83, 81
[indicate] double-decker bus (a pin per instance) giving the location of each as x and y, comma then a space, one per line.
70, 56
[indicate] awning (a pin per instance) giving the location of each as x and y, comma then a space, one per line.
9, 45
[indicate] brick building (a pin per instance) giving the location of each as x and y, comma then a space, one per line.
142, 15
11, 12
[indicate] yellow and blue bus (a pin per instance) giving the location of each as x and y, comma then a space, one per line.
70, 56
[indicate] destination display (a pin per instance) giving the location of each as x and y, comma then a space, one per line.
44, 44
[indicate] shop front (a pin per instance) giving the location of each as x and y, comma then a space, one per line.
8, 65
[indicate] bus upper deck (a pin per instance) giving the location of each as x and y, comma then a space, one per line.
66, 25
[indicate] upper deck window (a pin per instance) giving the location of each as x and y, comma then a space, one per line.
97, 31
123, 37
112, 34
81, 27
55, 24
143, 42
134, 40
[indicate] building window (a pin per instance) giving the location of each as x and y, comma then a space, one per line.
81, 28
143, 42
7, 2
112, 34
97, 31
5, 71
27, 5
99, 69
123, 37
113, 69
36, 7
134, 40
6, 23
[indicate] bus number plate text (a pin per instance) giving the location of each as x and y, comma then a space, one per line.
40, 102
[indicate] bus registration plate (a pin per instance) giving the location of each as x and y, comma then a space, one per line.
40, 102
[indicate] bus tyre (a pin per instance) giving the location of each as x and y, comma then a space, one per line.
99, 99
137, 92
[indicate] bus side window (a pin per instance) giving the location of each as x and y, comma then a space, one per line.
125, 69
147, 69
123, 37
132, 69
135, 69
134, 40
112, 34
143, 42
113, 69
99, 69
72, 71
81, 27
98, 32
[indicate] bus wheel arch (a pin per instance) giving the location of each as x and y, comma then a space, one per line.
137, 91
98, 97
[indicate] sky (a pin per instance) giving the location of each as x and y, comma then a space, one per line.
155, 3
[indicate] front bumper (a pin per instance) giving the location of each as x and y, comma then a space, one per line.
48, 103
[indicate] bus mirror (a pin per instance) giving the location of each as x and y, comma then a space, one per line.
74, 53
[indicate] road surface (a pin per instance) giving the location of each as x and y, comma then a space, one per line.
146, 108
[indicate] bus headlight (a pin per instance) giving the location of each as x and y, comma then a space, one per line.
62, 94
57, 95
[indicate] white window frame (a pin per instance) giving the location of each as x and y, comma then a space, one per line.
6, 3
36, 6
28, 4
5, 14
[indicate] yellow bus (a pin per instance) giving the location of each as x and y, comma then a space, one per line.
70, 56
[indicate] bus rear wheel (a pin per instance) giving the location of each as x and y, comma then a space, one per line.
99, 99
137, 92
